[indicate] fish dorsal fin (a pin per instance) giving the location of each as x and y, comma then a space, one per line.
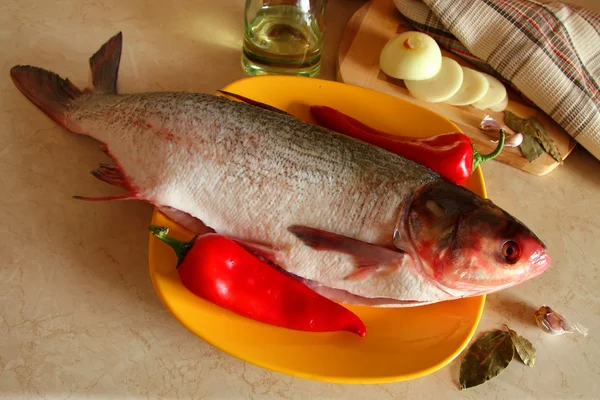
365, 254
105, 65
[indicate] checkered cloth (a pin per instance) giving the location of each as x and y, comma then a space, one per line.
550, 53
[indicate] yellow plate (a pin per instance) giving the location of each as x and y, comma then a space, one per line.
400, 344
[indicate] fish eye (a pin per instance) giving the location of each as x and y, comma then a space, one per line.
511, 251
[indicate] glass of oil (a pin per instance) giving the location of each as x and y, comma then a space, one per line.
283, 37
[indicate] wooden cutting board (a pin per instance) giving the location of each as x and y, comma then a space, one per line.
364, 37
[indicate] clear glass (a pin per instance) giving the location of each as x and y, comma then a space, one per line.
283, 37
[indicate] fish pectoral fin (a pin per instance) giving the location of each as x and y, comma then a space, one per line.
366, 272
254, 102
367, 255
121, 196
186, 220
197, 226
104, 148
112, 175
345, 297
264, 251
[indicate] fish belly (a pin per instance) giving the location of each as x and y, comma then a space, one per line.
251, 174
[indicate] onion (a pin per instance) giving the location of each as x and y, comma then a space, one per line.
494, 96
441, 87
474, 87
500, 106
411, 55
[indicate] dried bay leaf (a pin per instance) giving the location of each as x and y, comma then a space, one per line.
535, 138
547, 143
515, 123
523, 347
531, 148
486, 358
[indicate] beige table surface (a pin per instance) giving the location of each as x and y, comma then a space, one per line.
78, 314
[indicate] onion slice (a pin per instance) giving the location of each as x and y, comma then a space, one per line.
500, 106
494, 96
441, 87
474, 87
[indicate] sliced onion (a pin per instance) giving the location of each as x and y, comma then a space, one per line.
495, 94
441, 87
500, 106
473, 88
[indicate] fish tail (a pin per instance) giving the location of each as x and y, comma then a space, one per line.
48, 91
56, 96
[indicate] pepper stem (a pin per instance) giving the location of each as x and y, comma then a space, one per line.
181, 248
481, 158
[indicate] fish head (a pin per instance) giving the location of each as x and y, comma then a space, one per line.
466, 243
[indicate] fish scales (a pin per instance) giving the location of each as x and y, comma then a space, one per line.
251, 174
251, 152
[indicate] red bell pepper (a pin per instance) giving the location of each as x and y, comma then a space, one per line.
451, 155
221, 271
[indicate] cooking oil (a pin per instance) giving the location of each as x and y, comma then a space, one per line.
282, 39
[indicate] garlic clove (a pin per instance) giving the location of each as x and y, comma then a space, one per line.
554, 323
492, 128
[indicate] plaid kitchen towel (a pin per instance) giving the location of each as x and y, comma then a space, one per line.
549, 52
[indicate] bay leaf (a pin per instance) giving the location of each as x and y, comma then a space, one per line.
486, 358
535, 137
546, 141
515, 123
523, 347
531, 148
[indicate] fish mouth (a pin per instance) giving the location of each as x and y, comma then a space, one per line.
541, 264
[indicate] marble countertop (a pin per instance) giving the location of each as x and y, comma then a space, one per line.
79, 317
